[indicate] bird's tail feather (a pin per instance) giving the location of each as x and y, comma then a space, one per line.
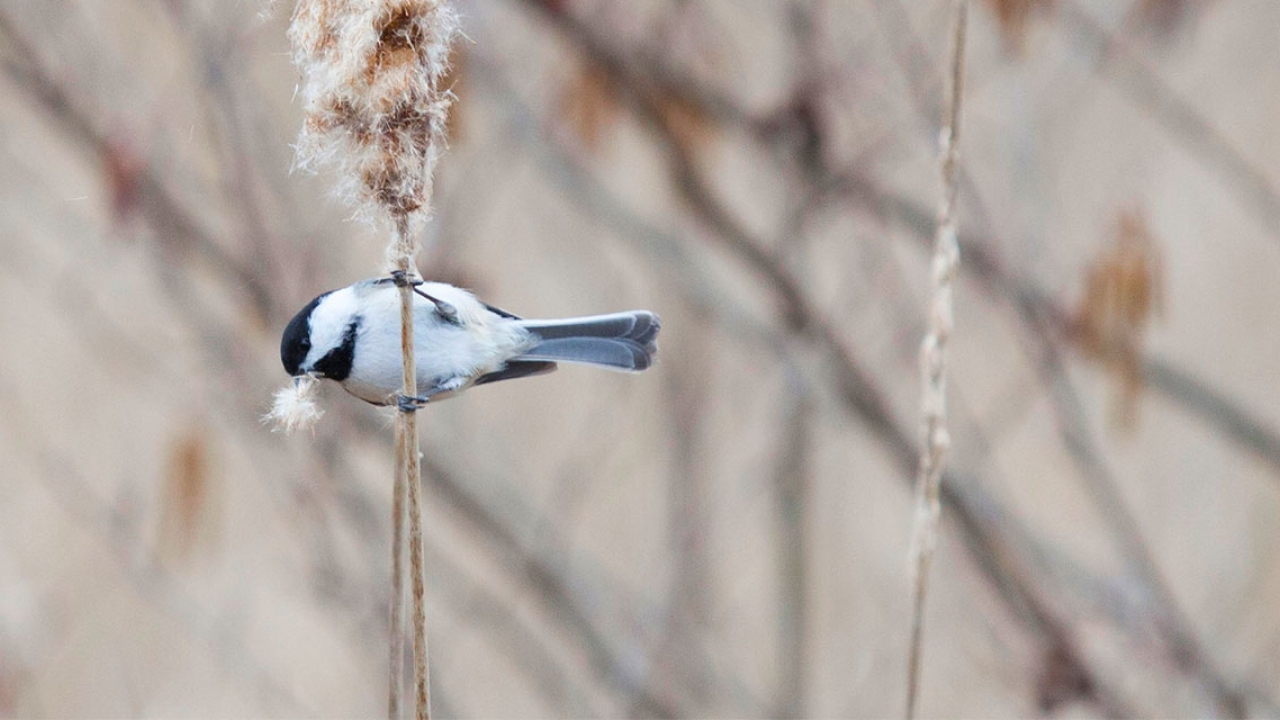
621, 341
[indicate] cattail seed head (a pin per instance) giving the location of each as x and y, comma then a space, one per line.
371, 89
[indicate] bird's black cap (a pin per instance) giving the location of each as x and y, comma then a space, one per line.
296, 341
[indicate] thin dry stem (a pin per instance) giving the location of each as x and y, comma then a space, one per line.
395, 676
421, 676
933, 365
410, 473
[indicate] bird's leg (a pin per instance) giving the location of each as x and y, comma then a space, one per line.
410, 403
413, 403
445, 309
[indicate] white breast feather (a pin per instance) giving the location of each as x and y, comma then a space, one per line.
482, 343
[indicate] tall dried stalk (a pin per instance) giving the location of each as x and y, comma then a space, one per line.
408, 475
399, 497
375, 110
933, 363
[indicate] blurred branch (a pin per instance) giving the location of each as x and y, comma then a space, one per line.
143, 568
1193, 130
982, 263
1001, 283
492, 610
172, 223
793, 498
558, 592
1046, 325
550, 588
658, 75
856, 388
467, 594
1180, 386
1171, 625
233, 142
686, 393
1234, 422
970, 506
799, 316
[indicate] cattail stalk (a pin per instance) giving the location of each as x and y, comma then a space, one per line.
933, 364
376, 111
409, 474
399, 497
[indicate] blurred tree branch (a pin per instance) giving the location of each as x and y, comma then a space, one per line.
1172, 626
972, 507
644, 90
145, 570
1001, 283
1183, 121
983, 264
552, 590
555, 586
793, 496
173, 224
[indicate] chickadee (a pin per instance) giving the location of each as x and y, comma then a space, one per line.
352, 336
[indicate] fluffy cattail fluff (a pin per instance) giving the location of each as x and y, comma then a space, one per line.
295, 406
375, 111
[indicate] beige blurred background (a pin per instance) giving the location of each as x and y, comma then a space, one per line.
725, 535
